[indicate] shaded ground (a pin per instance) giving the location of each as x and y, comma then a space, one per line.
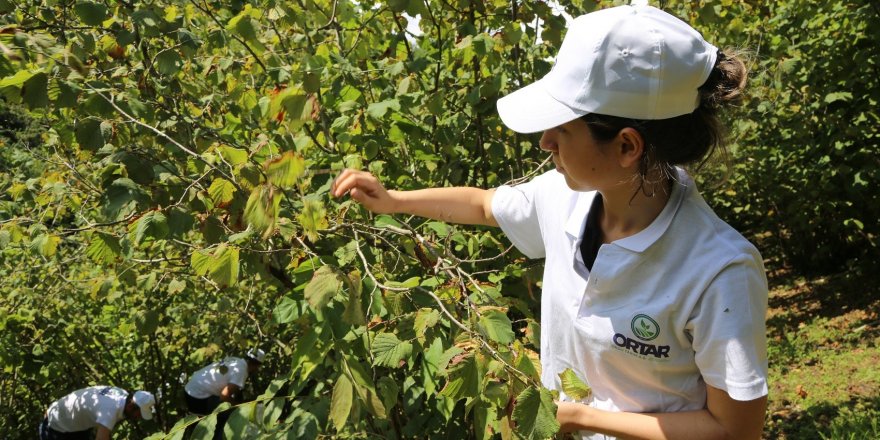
824, 348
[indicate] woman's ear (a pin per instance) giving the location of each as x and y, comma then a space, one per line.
631, 145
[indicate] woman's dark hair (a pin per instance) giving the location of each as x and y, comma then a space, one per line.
685, 139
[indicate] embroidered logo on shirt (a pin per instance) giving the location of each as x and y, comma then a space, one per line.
645, 328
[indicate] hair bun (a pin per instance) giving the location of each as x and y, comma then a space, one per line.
726, 82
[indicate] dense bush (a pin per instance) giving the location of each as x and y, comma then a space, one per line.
805, 162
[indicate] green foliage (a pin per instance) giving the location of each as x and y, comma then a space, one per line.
495, 325
323, 286
221, 265
535, 414
166, 205
804, 146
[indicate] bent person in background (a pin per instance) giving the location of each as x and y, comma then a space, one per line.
220, 382
98, 408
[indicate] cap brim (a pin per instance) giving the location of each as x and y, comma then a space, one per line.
146, 413
531, 109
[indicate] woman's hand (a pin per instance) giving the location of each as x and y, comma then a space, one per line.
364, 188
570, 416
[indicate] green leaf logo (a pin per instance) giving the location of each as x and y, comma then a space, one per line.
644, 327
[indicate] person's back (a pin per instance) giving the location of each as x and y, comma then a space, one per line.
97, 408
84, 409
221, 382
210, 380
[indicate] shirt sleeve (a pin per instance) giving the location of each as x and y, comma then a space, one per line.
729, 331
238, 372
514, 209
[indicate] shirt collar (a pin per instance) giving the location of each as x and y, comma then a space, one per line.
640, 241
577, 220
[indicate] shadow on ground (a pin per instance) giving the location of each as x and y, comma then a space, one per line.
801, 301
853, 420
848, 305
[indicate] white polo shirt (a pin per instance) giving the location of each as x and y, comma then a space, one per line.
663, 312
211, 380
87, 408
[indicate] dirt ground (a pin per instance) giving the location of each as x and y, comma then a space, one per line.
824, 350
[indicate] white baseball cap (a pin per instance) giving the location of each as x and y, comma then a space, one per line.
256, 354
145, 401
632, 61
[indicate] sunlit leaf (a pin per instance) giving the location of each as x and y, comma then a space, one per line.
233, 156
406, 284
176, 286
294, 102
838, 96
425, 319
365, 389
340, 402
286, 169
388, 351
573, 386
261, 210
286, 311
346, 254
528, 362
484, 414
495, 325
379, 109
153, 225
354, 313
103, 248
18, 79
221, 265
325, 284
465, 378
45, 244
248, 28
313, 217
221, 191
535, 414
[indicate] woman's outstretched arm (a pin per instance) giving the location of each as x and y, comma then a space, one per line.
463, 205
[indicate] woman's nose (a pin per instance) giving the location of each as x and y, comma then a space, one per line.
547, 142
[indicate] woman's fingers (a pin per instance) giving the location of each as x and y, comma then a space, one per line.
339, 186
349, 179
363, 188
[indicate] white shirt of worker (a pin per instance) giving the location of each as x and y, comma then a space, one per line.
87, 408
211, 380
663, 312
